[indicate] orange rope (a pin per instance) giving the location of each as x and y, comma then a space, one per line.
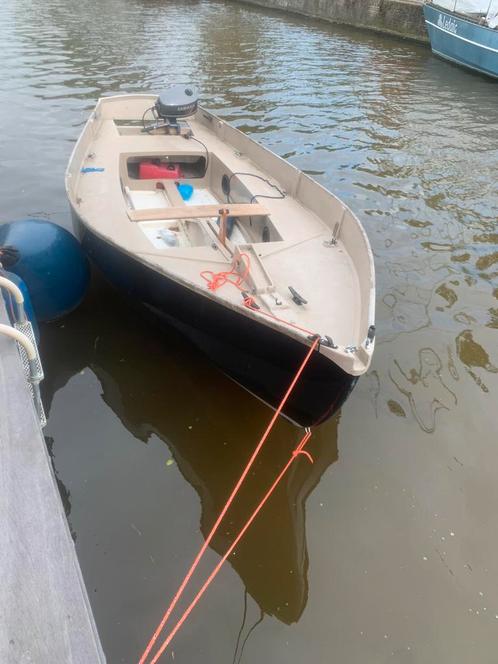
229, 502
216, 280
299, 450
249, 303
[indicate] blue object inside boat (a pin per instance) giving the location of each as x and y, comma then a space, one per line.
51, 263
186, 190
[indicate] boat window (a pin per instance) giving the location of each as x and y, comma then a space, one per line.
478, 9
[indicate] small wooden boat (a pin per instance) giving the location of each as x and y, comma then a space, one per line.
240, 251
464, 32
272, 562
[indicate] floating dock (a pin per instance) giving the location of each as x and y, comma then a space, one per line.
45, 614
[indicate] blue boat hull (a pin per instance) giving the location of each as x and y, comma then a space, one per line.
462, 41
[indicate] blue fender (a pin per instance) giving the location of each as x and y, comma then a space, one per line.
51, 263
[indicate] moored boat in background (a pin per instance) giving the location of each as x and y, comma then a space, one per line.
464, 32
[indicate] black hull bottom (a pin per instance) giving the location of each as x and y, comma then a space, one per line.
255, 356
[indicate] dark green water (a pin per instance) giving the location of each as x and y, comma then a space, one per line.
385, 549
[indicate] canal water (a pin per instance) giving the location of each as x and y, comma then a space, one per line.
384, 549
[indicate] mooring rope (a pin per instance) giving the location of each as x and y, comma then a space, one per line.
216, 280
235, 490
298, 451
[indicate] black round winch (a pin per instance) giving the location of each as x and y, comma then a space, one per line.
177, 101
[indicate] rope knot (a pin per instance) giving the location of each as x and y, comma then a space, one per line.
306, 454
250, 302
216, 280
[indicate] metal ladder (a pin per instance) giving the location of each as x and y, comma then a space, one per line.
23, 334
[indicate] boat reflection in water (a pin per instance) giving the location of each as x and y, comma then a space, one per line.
157, 384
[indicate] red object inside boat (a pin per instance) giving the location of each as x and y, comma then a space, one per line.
148, 170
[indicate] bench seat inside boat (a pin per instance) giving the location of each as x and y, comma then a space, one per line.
198, 211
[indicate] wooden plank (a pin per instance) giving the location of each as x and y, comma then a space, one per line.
173, 194
198, 212
45, 615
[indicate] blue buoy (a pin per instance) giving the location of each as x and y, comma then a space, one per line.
51, 263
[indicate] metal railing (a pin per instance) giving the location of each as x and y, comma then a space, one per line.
21, 331
480, 8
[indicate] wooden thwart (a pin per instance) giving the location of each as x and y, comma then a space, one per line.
198, 212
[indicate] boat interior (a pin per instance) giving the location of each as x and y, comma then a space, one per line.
197, 187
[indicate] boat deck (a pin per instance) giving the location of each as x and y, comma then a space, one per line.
299, 260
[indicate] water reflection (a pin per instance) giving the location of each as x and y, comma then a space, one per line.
474, 356
154, 383
424, 387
